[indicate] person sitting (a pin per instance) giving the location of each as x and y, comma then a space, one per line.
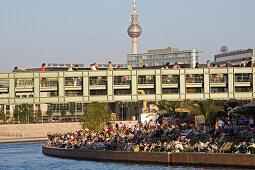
176, 66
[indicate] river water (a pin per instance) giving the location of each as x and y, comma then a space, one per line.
29, 156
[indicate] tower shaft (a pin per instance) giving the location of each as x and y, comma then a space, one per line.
134, 45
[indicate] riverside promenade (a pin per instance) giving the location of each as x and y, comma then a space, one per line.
171, 158
10, 133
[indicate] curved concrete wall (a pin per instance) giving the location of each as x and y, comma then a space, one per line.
183, 158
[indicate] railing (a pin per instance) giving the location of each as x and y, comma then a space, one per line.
245, 77
218, 78
194, 78
144, 79
122, 80
24, 83
98, 80
51, 82
72, 81
170, 79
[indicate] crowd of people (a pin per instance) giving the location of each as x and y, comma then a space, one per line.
95, 67
155, 137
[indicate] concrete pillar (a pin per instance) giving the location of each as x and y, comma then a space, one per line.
134, 86
231, 83
158, 84
85, 86
110, 89
36, 88
11, 88
182, 84
61, 87
206, 83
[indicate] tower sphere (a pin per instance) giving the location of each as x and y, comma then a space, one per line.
134, 30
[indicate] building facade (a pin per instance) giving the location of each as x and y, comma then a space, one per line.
235, 57
160, 57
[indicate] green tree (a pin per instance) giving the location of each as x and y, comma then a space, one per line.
133, 111
2, 115
39, 113
63, 111
207, 108
246, 112
169, 106
49, 111
24, 113
96, 115
30, 113
117, 110
72, 109
17, 112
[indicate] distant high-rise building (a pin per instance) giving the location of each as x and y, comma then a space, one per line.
134, 30
160, 57
235, 57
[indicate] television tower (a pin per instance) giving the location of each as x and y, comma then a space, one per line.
134, 30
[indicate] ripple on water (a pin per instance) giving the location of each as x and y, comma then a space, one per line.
29, 156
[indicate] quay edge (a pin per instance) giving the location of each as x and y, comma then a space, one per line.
182, 158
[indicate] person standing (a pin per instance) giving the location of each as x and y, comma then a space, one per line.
94, 79
228, 64
197, 65
93, 67
43, 79
70, 68
167, 65
250, 63
110, 66
208, 63
15, 69
76, 80
176, 66
243, 63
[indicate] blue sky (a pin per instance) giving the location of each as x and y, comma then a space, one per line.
87, 31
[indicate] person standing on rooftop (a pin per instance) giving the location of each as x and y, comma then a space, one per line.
176, 66
76, 80
96, 66
228, 64
15, 69
197, 65
243, 63
70, 67
93, 67
43, 70
167, 64
250, 63
208, 63
110, 66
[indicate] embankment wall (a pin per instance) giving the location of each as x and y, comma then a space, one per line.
184, 158
36, 130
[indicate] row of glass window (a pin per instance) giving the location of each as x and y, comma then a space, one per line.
145, 91
126, 80
137, 57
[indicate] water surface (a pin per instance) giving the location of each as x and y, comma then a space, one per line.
29, 156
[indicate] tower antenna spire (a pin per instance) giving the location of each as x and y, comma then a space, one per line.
134, 9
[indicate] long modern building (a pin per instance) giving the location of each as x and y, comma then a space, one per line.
235, 57
160, 57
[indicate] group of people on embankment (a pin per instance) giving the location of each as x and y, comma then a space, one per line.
153, 137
